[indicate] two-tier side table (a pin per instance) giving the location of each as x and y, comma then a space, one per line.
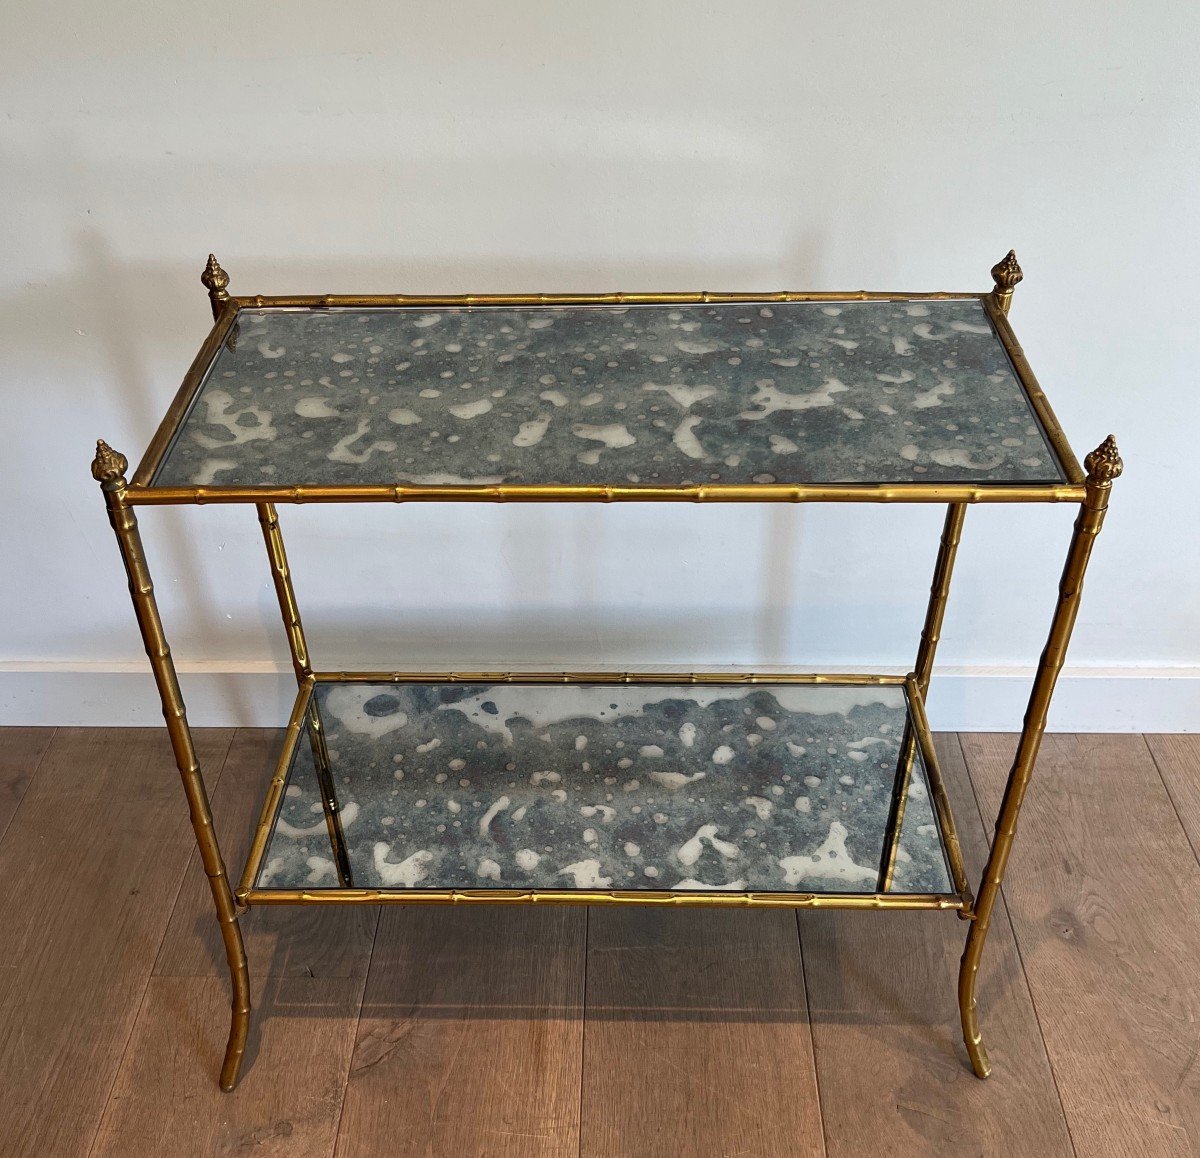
805, 791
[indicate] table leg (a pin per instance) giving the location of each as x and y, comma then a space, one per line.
895, 820
1103, 465
108, 469
931, 633
298, 646
939, 593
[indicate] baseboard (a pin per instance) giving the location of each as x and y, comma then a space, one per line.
260, 694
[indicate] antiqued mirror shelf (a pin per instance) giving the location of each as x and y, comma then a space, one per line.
805, 791
732, 396
793, 793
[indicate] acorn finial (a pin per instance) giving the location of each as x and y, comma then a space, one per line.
1104, 463
109, 466
216, 281
1006, 273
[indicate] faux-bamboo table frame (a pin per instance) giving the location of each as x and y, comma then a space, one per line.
1088, 488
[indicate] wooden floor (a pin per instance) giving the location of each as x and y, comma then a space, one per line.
602, 1032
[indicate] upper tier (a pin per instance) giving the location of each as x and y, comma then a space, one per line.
883, 392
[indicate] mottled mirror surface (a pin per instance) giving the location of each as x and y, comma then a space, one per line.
844, 392
762, 788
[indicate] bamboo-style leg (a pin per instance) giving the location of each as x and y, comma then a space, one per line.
895, 820
329, 800
298, 647
939, 592
108, 469
931, 633
1103, 465
281, 574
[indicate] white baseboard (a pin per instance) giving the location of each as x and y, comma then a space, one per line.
260, 694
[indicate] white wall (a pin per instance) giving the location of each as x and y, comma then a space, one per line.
451, 147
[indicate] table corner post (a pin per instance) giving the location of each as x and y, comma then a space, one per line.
285, 592
1103, 466
939, 594
108, 469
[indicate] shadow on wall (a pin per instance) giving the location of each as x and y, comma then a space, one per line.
131, 311
734, 587
599, 636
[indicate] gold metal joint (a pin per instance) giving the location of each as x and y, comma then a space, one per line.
1104, 463
1006, 273
216, 281
109, 467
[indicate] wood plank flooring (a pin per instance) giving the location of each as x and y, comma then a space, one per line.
882, 996
595, 1033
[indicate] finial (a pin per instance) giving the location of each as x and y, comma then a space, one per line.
1104, 463
109, 466
216, 281
1006, 273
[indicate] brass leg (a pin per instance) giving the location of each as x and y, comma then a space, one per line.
931, 633
895, 820
298, 646
109, 470
284, 591
329, 800
1103, 465
939, 592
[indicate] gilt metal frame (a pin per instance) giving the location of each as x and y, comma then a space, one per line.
1089, 487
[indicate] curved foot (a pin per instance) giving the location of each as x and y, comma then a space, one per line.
239, 1023
975, 1049
969, 970
239, 982
968, 1013
235, 1049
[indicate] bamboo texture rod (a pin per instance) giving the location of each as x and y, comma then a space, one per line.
108, 468
1103, 466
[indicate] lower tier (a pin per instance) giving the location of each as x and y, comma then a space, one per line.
783, 790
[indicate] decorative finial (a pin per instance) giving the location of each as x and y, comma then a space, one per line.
1104, 463
109, 466
1006, 273
216, 281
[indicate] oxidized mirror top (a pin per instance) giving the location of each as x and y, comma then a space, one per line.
659, 395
